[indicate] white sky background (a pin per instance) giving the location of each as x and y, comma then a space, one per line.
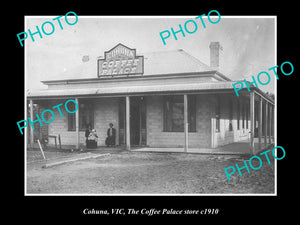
248, 43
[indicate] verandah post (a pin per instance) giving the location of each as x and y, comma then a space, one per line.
273, 124
31, 129
252, 101
270, 123
127, 123
185, 121
77, 125
260, 122
266, 124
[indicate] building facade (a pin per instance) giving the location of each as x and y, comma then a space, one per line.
159, 99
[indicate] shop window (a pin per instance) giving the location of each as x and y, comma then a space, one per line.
173, 113
247, 116
192, 113
238, 115
218, 114
243, 116
230, 115
86, 116
71, 118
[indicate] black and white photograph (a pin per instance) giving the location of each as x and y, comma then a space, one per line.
151, 105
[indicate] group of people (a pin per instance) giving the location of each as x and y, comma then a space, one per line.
92, 137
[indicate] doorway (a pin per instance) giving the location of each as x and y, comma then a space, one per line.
137, 121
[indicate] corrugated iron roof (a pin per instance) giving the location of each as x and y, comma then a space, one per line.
164, 62
130, 89
169, 62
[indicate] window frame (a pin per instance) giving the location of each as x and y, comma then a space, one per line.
168, 117
218, 115
72, 116
230, 126
238, 115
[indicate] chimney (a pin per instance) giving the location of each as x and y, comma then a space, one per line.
215, 48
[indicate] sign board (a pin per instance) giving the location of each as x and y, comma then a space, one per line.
120, 61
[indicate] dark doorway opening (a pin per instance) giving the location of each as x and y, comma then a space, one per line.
135, 121
138, 134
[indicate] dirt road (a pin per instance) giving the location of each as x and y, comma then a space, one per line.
149, 173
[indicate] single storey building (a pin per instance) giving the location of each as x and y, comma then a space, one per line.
158, 99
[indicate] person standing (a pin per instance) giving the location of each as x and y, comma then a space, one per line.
111, 136
87, 134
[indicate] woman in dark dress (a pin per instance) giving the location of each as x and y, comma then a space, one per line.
111, 136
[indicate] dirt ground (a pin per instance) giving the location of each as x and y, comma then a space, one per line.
146, 173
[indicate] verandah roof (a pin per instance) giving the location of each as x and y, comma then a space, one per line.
133, 90
130, 89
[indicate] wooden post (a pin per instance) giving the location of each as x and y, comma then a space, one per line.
212, 131
31, 130
266, 123
77, 124
127, 106
41, 149
252, 126
59, 141
260, 122
273, 123
270, 122
185, 122
140, 112
55, 142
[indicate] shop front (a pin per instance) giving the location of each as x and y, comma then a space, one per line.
159, 100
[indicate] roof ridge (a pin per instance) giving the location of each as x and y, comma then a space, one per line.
194, 58
155, 52
182, 51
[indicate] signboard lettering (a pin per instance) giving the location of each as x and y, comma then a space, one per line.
120, 61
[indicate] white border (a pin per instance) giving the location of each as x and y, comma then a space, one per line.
187, 16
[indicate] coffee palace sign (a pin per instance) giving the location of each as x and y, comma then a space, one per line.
120, 61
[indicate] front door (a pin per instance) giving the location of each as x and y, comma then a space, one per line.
137, 121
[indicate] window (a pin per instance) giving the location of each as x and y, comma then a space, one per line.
177, 114
218, 114
243, 116
230, 115
247, 116
238, 115
192, 113
71, 118
86, 116
173, 113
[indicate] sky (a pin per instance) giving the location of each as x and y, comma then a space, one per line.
248, 43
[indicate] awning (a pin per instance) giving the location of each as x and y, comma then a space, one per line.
129, 89
212, 87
